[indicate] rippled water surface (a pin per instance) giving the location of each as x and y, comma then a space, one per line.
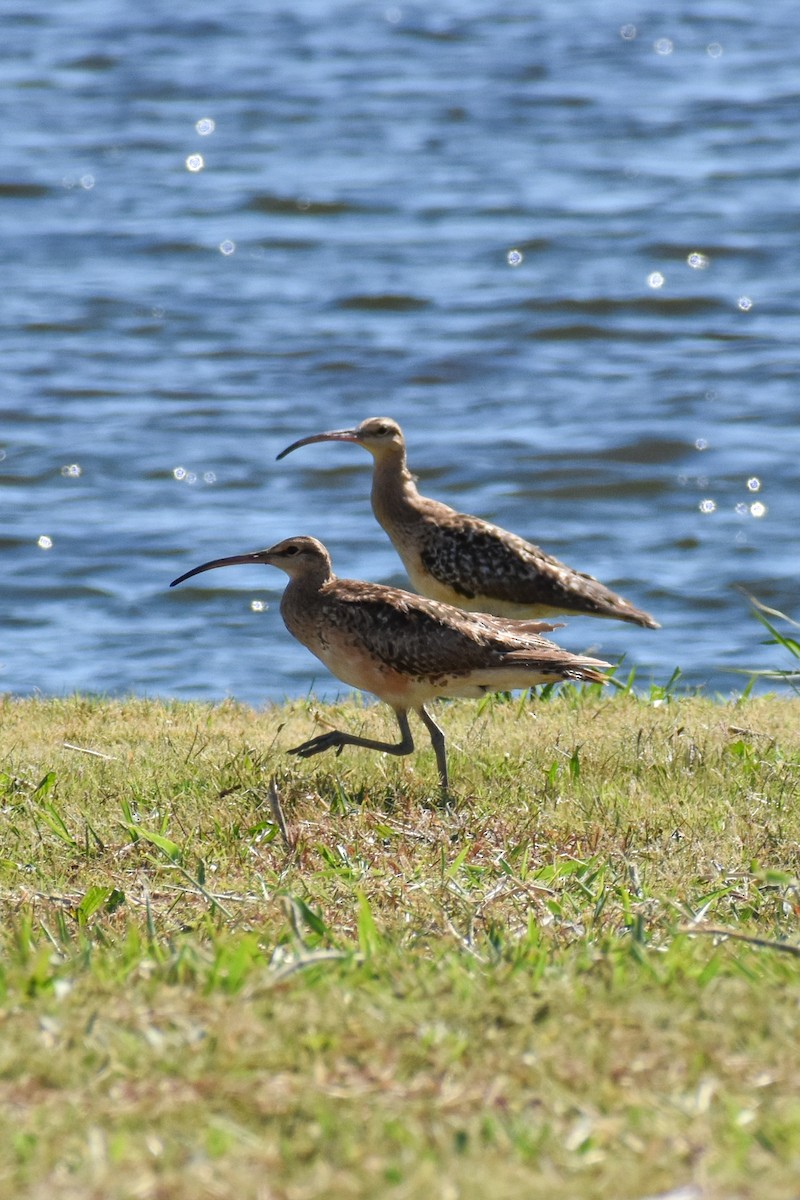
559, 247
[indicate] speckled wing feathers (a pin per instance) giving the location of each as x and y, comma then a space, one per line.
425, 639
477, 559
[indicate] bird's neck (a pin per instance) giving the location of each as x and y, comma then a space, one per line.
301, 599
394, 493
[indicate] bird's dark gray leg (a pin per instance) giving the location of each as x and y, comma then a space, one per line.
338, 739
437, 741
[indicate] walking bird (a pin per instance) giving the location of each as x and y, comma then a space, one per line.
403, 648
463, 560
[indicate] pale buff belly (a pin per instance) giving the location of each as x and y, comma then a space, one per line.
426, 585
361, 670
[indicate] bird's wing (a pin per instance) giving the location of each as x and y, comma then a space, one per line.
420, 637
476, 558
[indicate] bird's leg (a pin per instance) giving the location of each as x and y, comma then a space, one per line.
437, 741
337, 738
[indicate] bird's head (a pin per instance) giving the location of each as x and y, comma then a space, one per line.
297, 556
380, 435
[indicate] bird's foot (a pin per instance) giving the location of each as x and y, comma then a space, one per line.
316, 745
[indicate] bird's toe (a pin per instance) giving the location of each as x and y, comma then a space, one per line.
316, 745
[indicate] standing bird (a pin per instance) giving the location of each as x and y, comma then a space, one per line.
403, 648
463, 560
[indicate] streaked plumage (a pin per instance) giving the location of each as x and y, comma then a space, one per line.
463, 560
404, 648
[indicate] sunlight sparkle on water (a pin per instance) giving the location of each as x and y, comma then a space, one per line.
714, 50
700, 444
205, 126
745, 303
707, 506
697, 261
259, 605
72, 471
758, 509
655, 279
754, 484
190, 477
227, 247
664, 46
195, 162
45, 542
628, 32
514, 258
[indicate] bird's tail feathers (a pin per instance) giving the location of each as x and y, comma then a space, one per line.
561, 663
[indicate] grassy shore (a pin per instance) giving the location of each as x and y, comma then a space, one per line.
227, 973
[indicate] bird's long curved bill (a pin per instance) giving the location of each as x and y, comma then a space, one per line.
333, 435
233, 561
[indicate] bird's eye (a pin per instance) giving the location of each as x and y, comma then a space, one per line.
290, 551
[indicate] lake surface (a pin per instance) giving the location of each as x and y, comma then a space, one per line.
560, 247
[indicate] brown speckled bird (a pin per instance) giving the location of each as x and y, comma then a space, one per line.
405, 649
463, 560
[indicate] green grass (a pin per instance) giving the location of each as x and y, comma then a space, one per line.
224, 972
770, 618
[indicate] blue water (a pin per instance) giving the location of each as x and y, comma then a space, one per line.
560, 247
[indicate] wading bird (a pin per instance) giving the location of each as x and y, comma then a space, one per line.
403, 648
463, 560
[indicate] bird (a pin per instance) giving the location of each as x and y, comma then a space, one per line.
405, 649
464, 560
